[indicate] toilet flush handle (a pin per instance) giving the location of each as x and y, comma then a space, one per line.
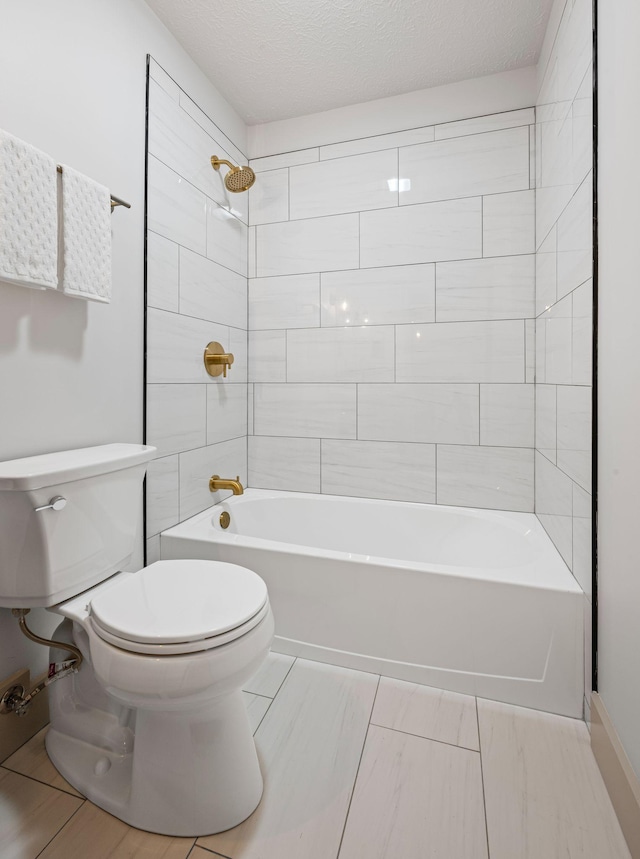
56, 503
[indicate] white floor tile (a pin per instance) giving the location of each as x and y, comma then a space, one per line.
415, 799
271, 675
309, 744
544, 795
427, 712
257, 706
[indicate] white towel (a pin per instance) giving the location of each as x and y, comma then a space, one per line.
85, 237
28, 215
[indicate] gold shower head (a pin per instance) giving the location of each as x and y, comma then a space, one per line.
238, 178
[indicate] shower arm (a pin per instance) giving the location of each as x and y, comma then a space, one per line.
216, 162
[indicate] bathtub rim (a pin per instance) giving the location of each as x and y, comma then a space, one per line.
567, 583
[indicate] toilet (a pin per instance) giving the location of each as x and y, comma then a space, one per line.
152, 727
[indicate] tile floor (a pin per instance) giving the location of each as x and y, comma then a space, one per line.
357, 767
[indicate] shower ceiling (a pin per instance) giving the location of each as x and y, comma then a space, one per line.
274, 59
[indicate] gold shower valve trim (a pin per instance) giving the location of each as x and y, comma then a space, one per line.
216, 360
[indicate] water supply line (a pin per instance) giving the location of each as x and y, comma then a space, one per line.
14, 699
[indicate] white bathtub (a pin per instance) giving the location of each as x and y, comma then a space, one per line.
473, 601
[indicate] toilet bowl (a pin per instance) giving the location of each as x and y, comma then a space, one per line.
171, 647
153, 726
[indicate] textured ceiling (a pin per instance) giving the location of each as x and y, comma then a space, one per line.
274, 59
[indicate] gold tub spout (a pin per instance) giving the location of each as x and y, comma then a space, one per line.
217, 482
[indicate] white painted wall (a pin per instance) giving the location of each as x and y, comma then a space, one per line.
477, 97
72, 82
619, 369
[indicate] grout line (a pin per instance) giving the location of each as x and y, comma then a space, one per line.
259, 694
484, 801
427, 739
389, 133
37, 780
207, 849
355, 780
371, 267
64, 825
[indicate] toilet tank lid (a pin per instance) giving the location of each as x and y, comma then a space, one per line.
51, 469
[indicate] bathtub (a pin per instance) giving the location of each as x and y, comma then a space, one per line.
472, 601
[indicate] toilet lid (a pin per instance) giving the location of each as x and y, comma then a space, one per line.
179, 601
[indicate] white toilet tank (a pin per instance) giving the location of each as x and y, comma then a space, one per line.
50, 555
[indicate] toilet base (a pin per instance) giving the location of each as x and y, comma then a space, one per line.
189, 773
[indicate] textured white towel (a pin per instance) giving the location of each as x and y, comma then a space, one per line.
85, 237
28, 214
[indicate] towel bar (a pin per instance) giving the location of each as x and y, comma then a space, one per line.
115, 201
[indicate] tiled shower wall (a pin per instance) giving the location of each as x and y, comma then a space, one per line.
391, 316
196, 292
564, 301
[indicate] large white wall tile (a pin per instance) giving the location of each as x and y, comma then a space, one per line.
400, 807
507, 415
466, 166
250, 409
162, 272
556, 325
177, 140
546, 273
284, 463
582, 335
508, 224
228, 459
286, 159
269, 197
268, 356
351, 184
158, 74
419, 413
574, 433
176, 417
499, 478
211, 291
251, 252
238, 346
546, 438
226, 412
496, 288
214, 132
309, 411
176, 344
530, 351
341, 354
424, 233
226, 239
379, 469
380, 141
480, 124
292, 301
317, 244
582, 540
575, 234
175, 209
461, 352
554, 505
396, 294
162, 494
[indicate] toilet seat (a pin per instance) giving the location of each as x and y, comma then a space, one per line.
174, 607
